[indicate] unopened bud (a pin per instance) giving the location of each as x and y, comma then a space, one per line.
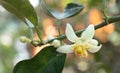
24, 39
56, 43
35, 42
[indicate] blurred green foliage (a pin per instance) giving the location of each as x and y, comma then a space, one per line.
10, 30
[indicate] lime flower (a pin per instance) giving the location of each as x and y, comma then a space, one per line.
81, 45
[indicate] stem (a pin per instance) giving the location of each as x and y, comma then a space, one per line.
102, 24
38, 33
58, 22
104, 6
58, 27
31, 33
104, 11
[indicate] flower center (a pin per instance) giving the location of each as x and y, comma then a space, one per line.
81, 50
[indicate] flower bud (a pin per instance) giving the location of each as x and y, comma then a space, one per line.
56, 43
24, 39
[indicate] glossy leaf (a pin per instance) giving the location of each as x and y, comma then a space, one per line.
70, 10
22, 9
46, 61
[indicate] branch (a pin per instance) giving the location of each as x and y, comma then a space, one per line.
102, 24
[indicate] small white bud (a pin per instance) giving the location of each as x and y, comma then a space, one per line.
56, 43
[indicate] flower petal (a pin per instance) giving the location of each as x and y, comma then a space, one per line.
70, 34
89, 32
94, 49
65, 49
93, 42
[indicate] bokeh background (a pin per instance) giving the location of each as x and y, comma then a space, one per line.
107, 60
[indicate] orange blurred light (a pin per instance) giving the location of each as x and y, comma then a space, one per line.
109, 28
49, 28
95, 17
79, 26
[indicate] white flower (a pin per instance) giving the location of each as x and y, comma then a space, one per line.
81, 44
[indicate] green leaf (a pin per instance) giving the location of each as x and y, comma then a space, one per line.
46, 61
22, 9
70, 10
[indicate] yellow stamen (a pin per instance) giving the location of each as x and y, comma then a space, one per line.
81, 49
